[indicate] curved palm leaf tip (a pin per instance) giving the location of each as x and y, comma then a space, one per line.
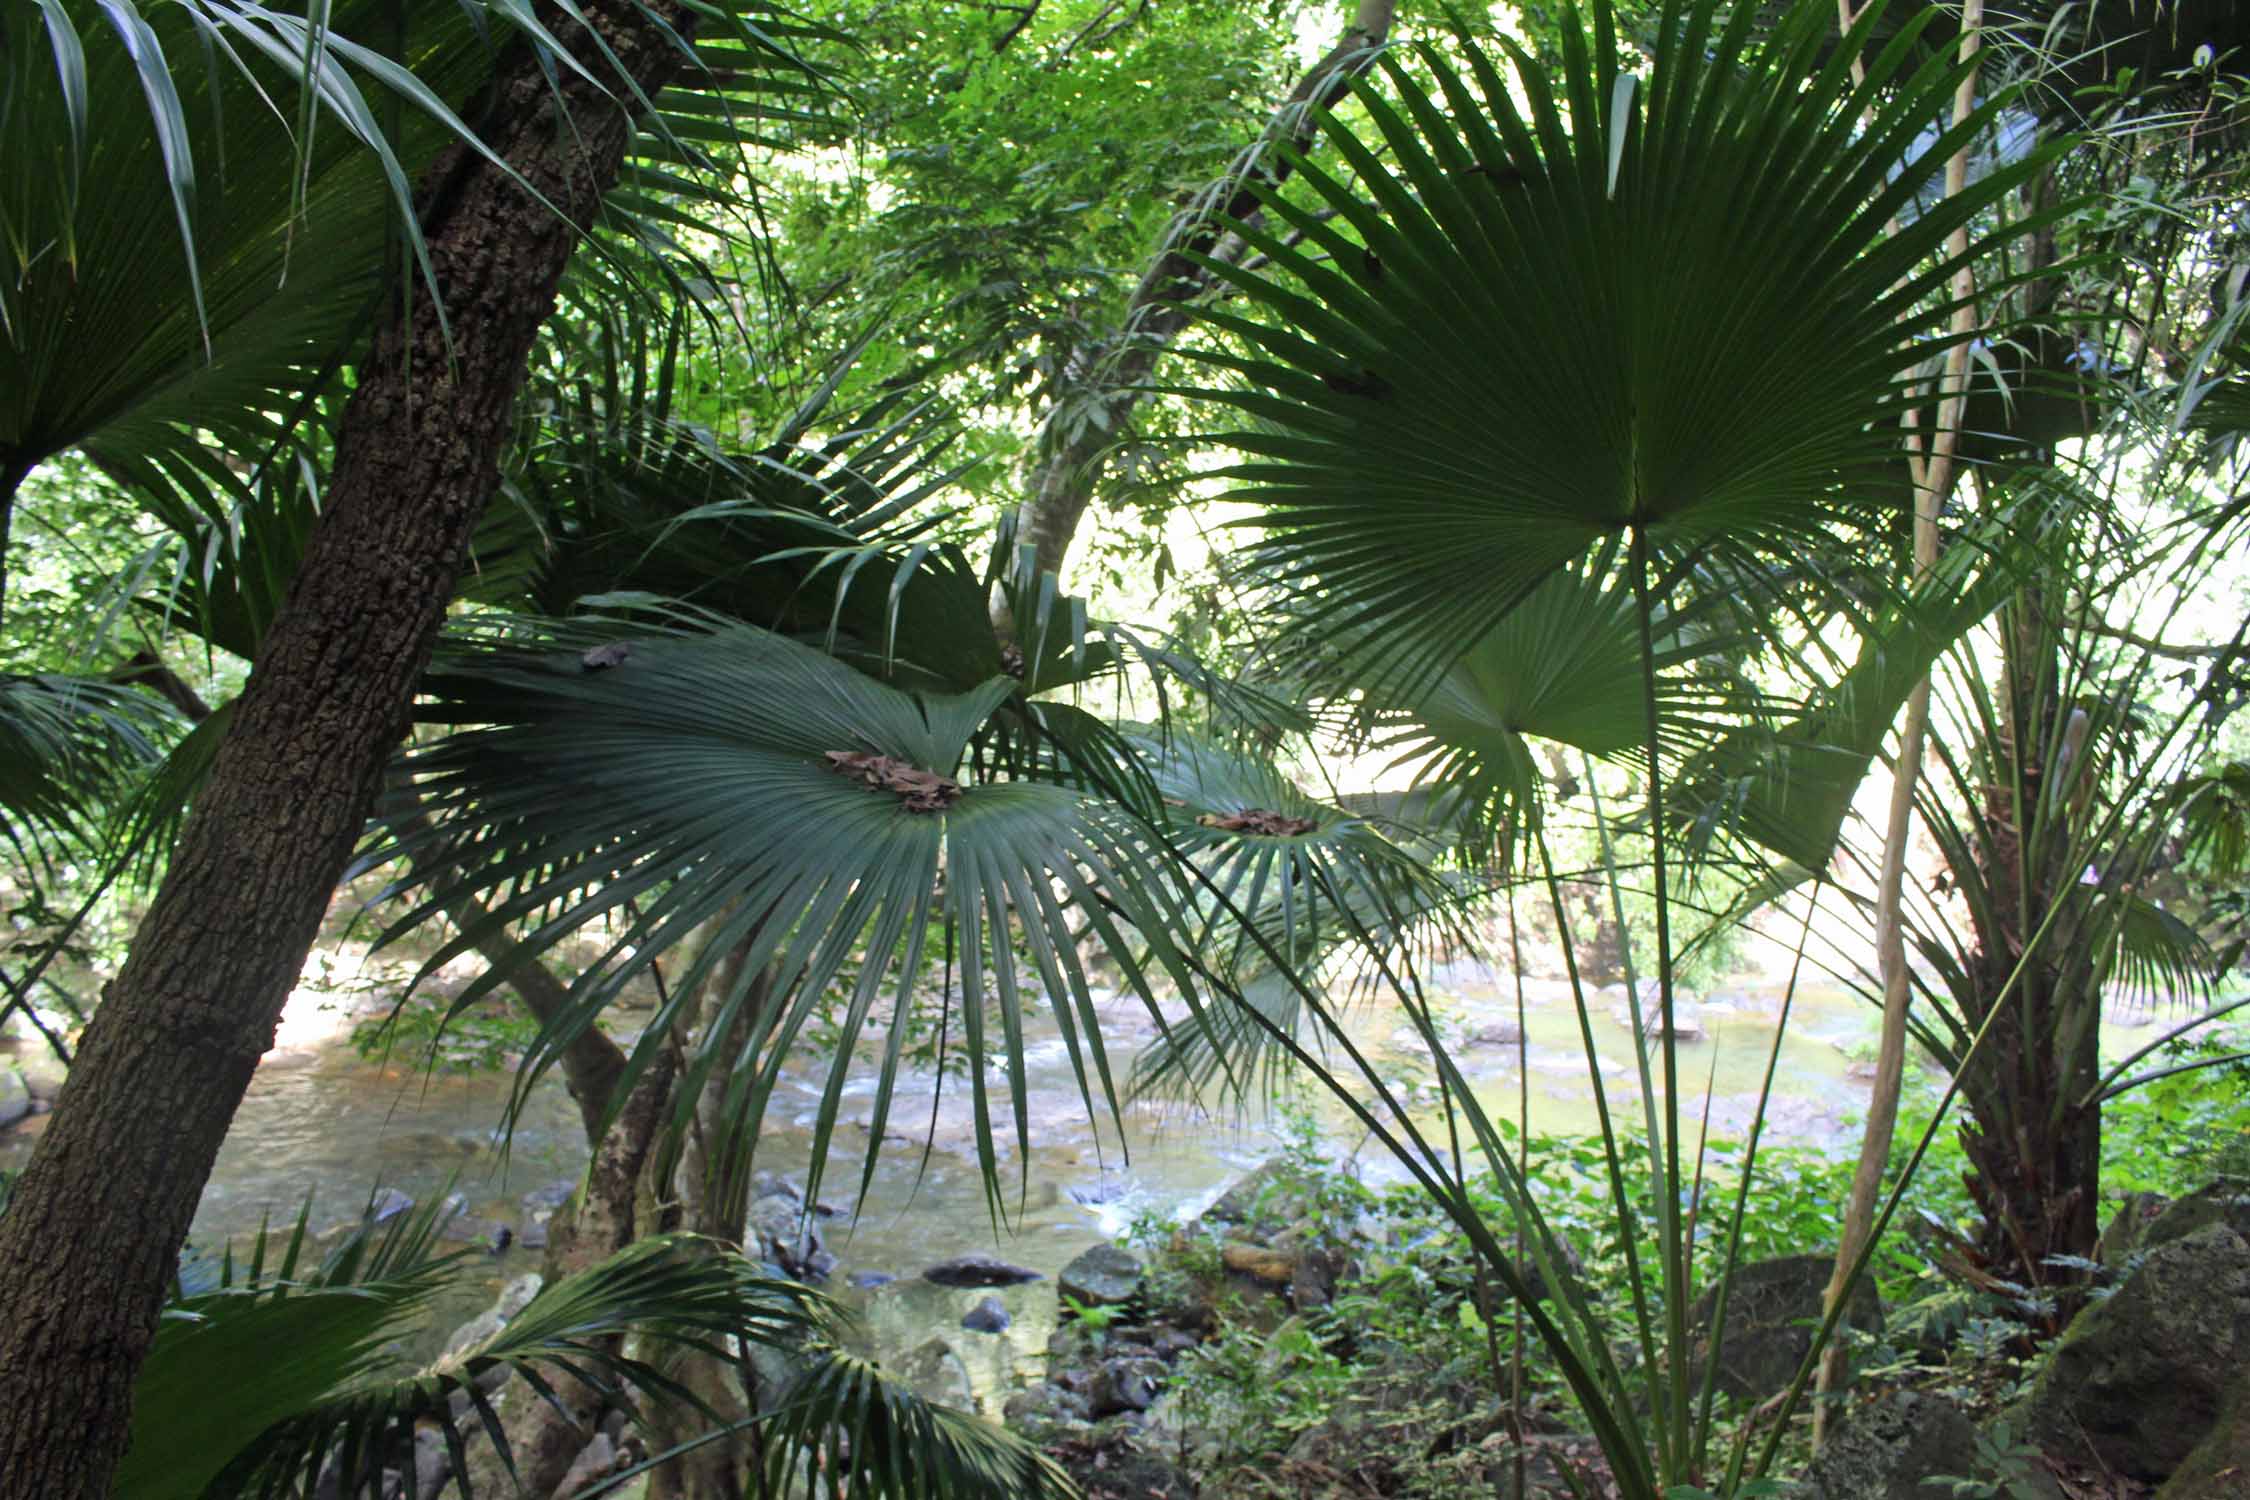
1675, 309
69, 750
785, 805
1282, 874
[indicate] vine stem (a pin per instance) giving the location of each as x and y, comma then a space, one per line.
1934, 483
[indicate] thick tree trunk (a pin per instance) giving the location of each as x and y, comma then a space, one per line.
1110, 376
88, 1245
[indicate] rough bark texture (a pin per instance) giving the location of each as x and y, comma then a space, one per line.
1112, 376
2033, 1143
88, 1244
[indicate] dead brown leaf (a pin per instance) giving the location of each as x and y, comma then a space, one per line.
917, 790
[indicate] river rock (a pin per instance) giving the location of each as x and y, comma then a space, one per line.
1494, 1034
782, 1233
1045, 1412
767, 1183
978, 1269
867, 1281
388, 1204
43, 1075
545, 1200
1687, 1020
513, 1299
1103, 1275
494, 1234
990, 1315
1893, 1448
15, 1097
1263, 1263
1267, 1199
1124, 1385
2139, 1379
937, 1374
1772, 1313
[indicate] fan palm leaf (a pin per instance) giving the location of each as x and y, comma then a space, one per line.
70, 749
802, 816
1284, 879
1677, 308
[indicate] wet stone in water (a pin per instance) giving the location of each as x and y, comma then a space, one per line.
978, 1269
988, 1316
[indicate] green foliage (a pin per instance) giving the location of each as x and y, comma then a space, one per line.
1426, 486
697, 772
425, 1030
284, 1364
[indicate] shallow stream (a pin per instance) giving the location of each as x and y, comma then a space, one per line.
320, 1120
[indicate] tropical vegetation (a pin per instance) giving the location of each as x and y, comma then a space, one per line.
752, 538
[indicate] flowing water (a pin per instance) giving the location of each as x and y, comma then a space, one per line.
321, 1121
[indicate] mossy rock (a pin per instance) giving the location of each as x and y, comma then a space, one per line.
1772, 1314
1893, 1448
2139, 1378
2127, 1231
2219, 1203
2219, 1468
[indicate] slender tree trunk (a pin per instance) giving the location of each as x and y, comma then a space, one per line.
710, 1197
592, 1063
89, 1243
1934, 483
1109, 377
608, 1213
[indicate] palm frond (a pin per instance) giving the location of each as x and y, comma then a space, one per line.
872, 1438
263, 1383
1285, 879
1669, 305
194, 248
70, 748
800, 815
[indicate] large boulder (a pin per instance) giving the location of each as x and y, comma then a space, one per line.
1772, 1313
15, 1096
1895, 1448
1103, 1275
2139, 1379
2219, 1203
